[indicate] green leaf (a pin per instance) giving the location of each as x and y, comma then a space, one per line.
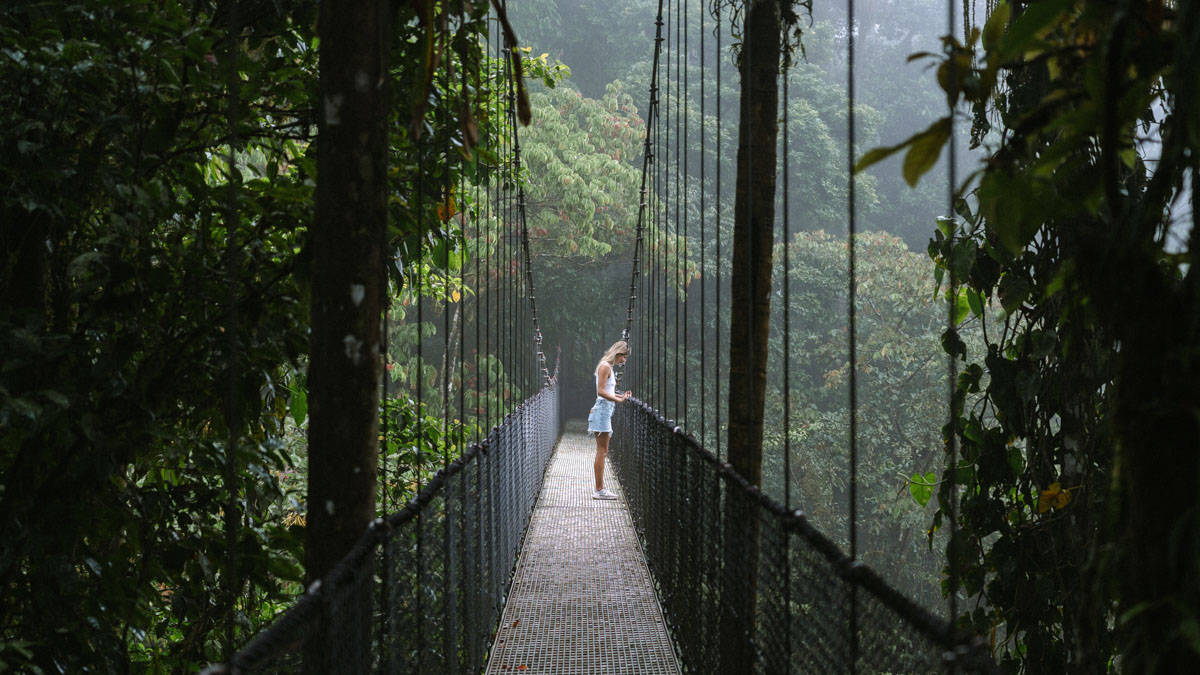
299, 404
962, 258
876, 155
952, 344
925, 149
1033, 21
1013, 290
996, 23
962, 306
920, 486
975, 302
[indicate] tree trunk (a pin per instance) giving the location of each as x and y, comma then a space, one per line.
348, 292
750, 288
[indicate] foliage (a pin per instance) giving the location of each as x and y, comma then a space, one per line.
155, 309
1071, 521
146, 325
580, 154
901, 398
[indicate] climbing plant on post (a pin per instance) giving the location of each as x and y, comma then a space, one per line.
347, 296
750, 288
1075, 493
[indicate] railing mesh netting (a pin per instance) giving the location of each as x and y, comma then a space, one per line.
733, 566
435, 573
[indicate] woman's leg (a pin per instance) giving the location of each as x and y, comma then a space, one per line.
601, 454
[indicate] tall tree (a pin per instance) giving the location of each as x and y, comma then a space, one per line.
347, 295
750, 289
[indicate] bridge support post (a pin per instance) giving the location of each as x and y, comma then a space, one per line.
750, 288
347, 295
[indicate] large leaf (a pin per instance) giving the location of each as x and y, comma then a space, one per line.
1037, 18
925, 149
920, 486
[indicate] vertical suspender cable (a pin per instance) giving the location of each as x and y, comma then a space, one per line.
687, 277
703, 239
717, 236
464, 110
852, 334
787, 314
498, 214
418, 262
664, 235
503, 259
951, 364
384, 492
787, 352
677, 242
232, 404
445, 195
445, 209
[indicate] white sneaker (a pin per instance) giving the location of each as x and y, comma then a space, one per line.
603, 494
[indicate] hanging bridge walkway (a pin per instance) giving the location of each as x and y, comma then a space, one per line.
582, 599
503, 563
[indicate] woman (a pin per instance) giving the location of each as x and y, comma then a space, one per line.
600, 419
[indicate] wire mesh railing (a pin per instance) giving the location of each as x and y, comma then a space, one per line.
436, 572
747, 586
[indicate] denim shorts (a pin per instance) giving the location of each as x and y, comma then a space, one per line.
600, 418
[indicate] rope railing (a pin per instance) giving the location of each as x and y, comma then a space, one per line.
688, 506
455, 566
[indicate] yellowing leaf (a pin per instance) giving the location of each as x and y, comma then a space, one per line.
1062, 499
1053, 497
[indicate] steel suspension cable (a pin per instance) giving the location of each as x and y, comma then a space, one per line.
717, 236
787, 346
675, 240
232, 336
444, 236
419, 371
951, 364
664, 233
852, 336
524, 234
687, 109
787, 299
703, 238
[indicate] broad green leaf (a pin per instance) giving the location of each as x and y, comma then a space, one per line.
920, 486
299, 404
1035, 19
975, 302
996, 24
962, 259
876, 155
925, 149
962, 306
1013, 290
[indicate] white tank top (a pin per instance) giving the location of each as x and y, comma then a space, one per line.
609, 386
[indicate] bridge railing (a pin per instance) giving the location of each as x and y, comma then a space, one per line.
749, 585
435, 573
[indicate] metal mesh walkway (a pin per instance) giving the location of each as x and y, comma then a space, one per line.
582, 600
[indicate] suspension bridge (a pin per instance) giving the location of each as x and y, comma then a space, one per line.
502, 563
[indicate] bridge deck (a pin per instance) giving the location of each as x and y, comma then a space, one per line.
582, 600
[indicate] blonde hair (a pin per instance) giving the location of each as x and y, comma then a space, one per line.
618, 347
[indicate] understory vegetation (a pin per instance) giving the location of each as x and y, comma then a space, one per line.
1028, 339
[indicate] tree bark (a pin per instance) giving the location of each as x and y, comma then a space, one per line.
348, 292
750, 288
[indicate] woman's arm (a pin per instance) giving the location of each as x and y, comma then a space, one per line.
602, 374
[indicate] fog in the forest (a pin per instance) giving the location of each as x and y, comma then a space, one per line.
584, 154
